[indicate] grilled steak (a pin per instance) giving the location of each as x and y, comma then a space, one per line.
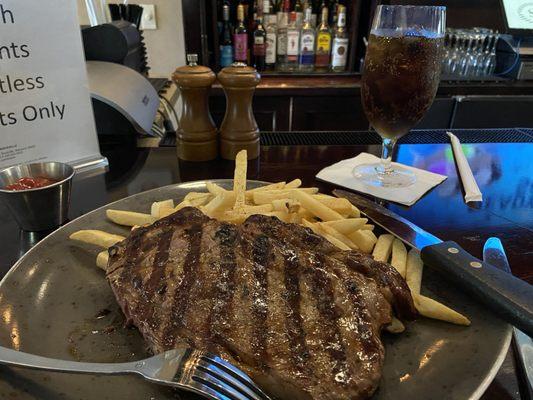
302, 318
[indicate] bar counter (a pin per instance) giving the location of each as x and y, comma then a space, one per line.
503, 171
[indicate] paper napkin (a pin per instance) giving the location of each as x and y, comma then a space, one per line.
472, 192
341, 174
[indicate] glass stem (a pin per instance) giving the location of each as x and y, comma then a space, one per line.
386, 155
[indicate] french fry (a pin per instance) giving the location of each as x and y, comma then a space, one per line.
239, 179
129, 218
200, 201
281, 205
269, 187
264, 208
293, 206
219, 204
339, 236
433, 309
102, 259
313, 226
197, 195
383, 248
235, 217
296, 183
214, 189
183, 204
273, 186
314, 206
283, 216
267, 196
396, 326
413, 274
158, 205
367, 227
165, 212
354, 212
335, 203
317, 230
304, 214
399, 257
98, 238
363, 240
370, 235
347, 226
335, 242
324, 196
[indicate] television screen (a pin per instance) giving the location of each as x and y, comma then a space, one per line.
519, 13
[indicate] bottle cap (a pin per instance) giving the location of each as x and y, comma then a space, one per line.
192, 59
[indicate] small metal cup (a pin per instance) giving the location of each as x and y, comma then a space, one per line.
43, 208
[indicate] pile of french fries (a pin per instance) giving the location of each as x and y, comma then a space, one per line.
335, 219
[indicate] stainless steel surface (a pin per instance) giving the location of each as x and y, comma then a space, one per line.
43, 208
494, 253
403, 229
124, 89
184, 368
58, 277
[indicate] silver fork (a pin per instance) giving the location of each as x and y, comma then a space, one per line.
184, 368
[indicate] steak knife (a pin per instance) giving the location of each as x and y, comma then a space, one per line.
511, 298
494, 254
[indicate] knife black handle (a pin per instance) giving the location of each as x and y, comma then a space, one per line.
508, 296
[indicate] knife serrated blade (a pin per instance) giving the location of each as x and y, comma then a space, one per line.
391, 222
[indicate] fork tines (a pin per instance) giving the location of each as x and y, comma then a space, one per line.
226, 381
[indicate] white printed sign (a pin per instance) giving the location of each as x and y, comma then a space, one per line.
45, 105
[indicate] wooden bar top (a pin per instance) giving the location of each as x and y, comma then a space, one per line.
347, 84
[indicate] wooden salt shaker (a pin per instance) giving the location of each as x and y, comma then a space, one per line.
197, 134
239, 129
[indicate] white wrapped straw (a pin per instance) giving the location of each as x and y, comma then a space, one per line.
472, 192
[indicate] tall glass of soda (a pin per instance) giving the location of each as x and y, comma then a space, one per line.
400, 79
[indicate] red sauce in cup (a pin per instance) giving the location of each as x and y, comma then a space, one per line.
30, 183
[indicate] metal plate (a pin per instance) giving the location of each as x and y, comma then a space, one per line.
51, 304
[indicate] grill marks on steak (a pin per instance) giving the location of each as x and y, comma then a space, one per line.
393, 286
282, 304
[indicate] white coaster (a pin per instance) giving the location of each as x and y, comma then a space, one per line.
341, 174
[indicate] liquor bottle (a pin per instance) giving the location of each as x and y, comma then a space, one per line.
252, 19
299, 13
310, 4
293, 44
259, 45
226, 44
240, 37
307, 44
339, 53
283, 14
323, 43
281, 49
333, 12
271, 36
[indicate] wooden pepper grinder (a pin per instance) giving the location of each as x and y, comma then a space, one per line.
239, 129
197, 134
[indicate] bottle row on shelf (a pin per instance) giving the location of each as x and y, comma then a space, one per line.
281, 42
